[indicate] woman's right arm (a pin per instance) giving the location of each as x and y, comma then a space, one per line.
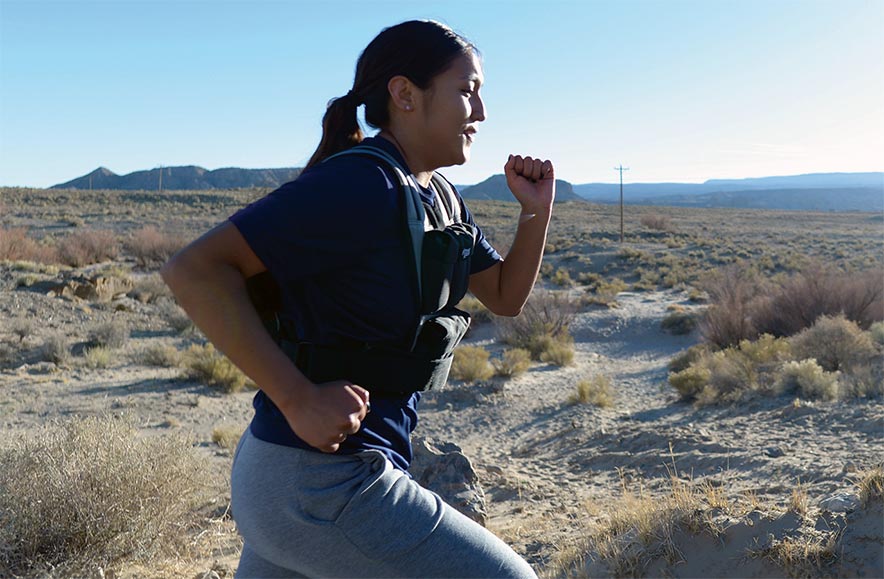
208, 279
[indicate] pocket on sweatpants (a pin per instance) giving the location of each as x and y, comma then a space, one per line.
327, 483
390, 516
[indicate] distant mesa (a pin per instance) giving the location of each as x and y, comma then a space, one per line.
188, 177
811, 192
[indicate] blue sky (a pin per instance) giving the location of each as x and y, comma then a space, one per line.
679, 90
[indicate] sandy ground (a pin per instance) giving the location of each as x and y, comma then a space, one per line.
549, 468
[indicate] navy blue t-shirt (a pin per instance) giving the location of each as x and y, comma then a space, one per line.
335, 242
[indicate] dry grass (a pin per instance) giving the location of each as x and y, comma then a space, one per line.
640, 527
596, 391
471, 364
871, 486
514, 362
208, 366
90, 493
98, 357
227, 436
558, 351
160, 355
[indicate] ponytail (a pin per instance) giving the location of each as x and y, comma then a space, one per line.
340, 128
418, 49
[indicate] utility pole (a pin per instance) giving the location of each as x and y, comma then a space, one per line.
160, 188
621, 168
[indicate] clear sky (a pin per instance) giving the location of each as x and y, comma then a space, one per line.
676, 90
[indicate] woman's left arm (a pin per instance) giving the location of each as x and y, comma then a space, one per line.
504, 288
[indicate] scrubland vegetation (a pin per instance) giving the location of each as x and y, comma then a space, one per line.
779, 307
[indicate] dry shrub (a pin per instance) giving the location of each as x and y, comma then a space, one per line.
836, 343
683, 360
113, 334
98, 357
546, 315
207, 365
656, 222
23, 327
176, 317
733, 293
562, 278
821, 290
90, 493
149, 289
690, 381
731, 374
596, 391
88, 246
876, 332
56, 349
807, 378
605, 292
679, 323
514, 362
15, 245
151, 247
471, 364
743, 305
161, 356
558, 351
477, 310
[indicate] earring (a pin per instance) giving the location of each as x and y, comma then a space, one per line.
407, 107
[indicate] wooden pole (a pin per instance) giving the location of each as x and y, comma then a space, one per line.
621, 168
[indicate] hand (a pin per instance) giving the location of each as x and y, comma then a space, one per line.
328, 413
532, 182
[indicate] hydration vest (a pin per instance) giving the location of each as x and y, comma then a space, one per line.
441, 249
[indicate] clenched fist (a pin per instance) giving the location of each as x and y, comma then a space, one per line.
532, 182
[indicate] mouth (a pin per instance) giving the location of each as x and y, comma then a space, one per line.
470, 134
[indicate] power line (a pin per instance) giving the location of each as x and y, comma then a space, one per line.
621, 168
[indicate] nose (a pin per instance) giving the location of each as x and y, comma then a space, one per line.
478, 109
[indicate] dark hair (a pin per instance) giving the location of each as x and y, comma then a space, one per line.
418, 50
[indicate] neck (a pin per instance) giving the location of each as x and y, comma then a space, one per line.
422, 174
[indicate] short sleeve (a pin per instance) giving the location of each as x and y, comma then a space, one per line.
327, 219
484, 255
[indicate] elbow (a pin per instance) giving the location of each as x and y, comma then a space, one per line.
507, 310
174, 271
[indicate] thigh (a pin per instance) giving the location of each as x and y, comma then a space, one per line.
253, 566
403, 530
323, 515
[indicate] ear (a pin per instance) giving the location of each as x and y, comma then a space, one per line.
403, 93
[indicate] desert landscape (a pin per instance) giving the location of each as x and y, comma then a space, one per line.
653, 413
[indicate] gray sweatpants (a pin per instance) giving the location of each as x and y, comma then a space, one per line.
309, 514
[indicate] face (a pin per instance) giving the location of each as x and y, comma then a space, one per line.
452, 109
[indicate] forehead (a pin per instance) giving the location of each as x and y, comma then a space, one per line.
466, 67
